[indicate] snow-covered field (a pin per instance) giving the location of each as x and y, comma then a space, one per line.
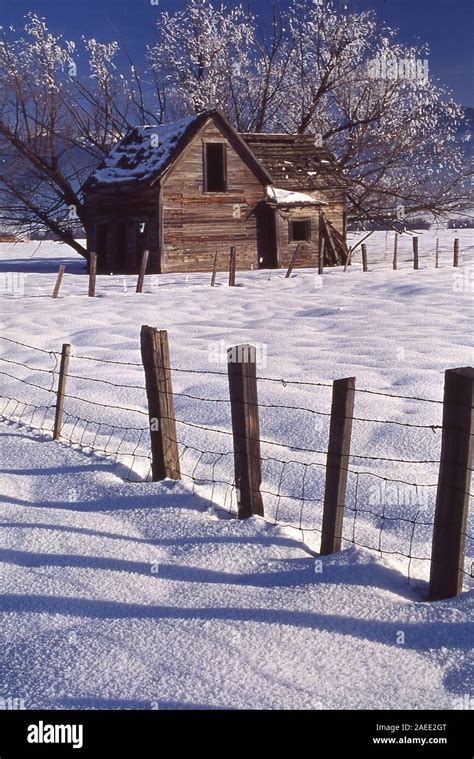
134, 594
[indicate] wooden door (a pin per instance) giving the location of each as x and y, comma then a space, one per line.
267, 237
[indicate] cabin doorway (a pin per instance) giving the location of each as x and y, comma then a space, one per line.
141, 244
267, 248
120, 245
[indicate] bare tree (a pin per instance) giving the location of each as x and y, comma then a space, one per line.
55, 125
313, 68
336, 73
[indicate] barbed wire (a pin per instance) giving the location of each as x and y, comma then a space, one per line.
25, 382
293, 489
26, 366
301, 449
283, 407
280, 380
26, 345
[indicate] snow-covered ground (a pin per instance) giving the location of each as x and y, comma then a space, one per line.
135, 595
129, 594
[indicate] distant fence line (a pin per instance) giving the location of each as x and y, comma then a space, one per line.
326, 489
418, 253
14, 282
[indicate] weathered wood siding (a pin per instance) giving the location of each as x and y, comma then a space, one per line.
112, 208
196, 224
308, 255
334, 211
186, 226
309, 252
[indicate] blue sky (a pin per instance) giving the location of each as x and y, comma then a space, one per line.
447, 25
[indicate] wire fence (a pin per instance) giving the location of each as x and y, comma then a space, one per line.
395, 251
390, 498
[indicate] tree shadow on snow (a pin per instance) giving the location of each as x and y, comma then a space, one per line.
38, 265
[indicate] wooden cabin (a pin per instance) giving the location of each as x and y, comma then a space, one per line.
187, 190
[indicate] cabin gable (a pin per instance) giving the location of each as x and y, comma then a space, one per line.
199, 222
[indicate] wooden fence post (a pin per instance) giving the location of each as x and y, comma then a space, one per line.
348, 261
456, 252
395, 252
63, 368
59, 279
232, 266
214, 271
454, 481
342, 411
92, 273
321, 256
437, 254
159, 390
141, 275
364, 257
242, 372
415, 253
293, 261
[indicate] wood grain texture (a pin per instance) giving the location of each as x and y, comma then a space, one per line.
186, 226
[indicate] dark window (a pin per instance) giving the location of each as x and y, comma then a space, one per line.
300, 231
215, 179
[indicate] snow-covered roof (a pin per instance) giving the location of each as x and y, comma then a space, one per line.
287, 197
142, 154
146, 152
292, 162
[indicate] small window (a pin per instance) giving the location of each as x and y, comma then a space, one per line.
215, 179
300, 231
